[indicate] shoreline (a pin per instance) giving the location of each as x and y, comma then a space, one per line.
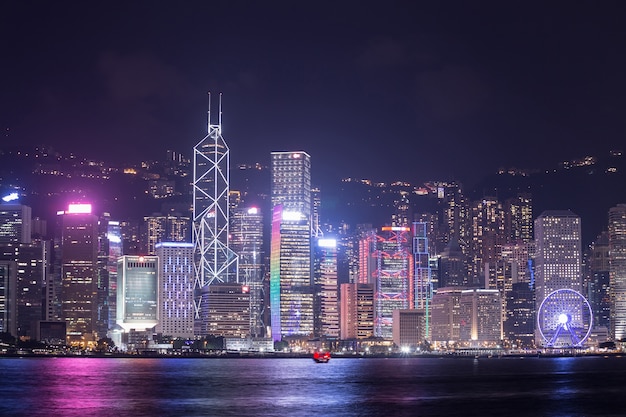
233, 355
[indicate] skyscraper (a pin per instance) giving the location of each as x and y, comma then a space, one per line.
79, 293
617, 270
8, 311
326, 297
247, 242
137, 292
423, 279
214, 260
557, 259
176, 278
393, 277
15, 223
291, 291
165, 228
357, 311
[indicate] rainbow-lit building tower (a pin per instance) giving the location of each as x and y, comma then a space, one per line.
291, 284
214, 261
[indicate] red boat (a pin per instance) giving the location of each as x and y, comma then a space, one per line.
321, 357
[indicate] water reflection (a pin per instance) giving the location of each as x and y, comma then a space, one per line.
299, 387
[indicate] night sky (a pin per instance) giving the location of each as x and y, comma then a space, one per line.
383, 90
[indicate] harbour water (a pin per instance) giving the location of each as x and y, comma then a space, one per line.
564, 386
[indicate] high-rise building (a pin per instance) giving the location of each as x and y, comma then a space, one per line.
115, 250
598, 285
165, 228
393, 277
291, 289
137, 292
78, 267
247, 241
423, 283
228, 310
445, 322
214, 261
326, 301
519, 327
291, 182
32, 266
518, 218
617, 270
487, 237
453, 266
481, 319
557, 260
291, 286
409, 328
176, 278
15, 223
357, 311
8, 311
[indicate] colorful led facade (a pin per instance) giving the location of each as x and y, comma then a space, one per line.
291, 289
176, 279
214, 260
393, 277
291, 292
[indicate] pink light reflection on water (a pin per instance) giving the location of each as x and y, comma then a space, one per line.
102, 386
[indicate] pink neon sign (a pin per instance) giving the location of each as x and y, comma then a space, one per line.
78, 208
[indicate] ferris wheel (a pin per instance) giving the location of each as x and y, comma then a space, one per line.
564, 319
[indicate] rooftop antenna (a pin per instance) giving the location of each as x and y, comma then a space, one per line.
209, 115
219, 118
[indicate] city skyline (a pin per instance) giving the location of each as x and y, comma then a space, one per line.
498, 85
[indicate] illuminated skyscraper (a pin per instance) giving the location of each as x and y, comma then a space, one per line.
422, 272
229, 310
8, 311
519, 218
291, 290
165, 228
176, 278
558, 256
31, 266
115, 250
617, 270
137, 292
214, 261
481, 321
487, 237
357, 311
599, 284
247, 242
393, 277
326, 314
79, 292
15, 223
